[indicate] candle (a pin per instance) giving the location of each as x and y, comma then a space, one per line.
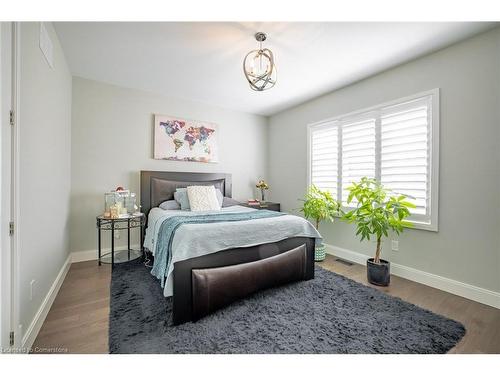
114, 212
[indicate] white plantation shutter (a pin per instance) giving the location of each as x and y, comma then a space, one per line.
324, 158
396, 143
405, 151
358, 153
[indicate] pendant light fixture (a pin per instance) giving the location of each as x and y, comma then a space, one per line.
258, 66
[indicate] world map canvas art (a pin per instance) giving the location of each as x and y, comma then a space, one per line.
185, 140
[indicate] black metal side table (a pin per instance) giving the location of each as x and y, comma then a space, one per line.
136, 220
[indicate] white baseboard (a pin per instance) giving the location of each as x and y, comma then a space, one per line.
33, 329
86, 255
37, 322
83, 256
481, 295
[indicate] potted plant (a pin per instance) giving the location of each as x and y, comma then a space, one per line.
320, 206
263, 186
378, 210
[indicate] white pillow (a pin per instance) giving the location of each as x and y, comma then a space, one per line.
220, 197
203, 198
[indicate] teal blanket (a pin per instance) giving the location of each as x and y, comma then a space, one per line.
163, 251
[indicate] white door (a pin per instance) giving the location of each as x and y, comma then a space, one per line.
9, 318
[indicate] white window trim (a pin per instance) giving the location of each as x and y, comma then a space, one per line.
432, 224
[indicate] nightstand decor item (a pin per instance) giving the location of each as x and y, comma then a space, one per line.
109, 200
119, 202
123, 194
259, 67
263, 186
119, 205
253, 202
130, 203
320, 206
114, 211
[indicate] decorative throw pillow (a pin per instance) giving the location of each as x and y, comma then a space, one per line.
228, 202
220, 197
203, 198
181, 197
170, 205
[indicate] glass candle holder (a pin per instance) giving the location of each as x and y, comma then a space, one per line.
130, 201
109, 200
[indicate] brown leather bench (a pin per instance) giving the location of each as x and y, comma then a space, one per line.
213, 288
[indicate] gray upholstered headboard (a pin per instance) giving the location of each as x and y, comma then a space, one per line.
159, 186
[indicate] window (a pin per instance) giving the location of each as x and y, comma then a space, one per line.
358, 153
396, 143
324, 159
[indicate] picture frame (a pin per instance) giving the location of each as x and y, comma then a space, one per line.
180, 139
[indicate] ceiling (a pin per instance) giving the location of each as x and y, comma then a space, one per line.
202, 61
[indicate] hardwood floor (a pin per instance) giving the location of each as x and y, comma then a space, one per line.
78, 319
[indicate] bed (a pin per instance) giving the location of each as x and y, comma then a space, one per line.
212, 262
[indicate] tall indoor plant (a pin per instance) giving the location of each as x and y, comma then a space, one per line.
378, 210
320, 206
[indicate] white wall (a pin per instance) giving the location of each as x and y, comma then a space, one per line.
467, 246
112, 140
44, 175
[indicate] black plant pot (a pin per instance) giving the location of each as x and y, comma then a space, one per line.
378, 273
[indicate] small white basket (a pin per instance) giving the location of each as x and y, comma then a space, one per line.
319, 253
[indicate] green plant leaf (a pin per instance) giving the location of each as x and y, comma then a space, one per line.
378, 209
320, 205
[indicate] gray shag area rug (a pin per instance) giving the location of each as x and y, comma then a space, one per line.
330, 314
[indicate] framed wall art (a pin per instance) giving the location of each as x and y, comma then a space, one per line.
185, 140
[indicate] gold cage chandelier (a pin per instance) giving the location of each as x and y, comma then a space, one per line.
258, 66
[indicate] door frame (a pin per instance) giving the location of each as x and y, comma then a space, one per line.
9, 184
